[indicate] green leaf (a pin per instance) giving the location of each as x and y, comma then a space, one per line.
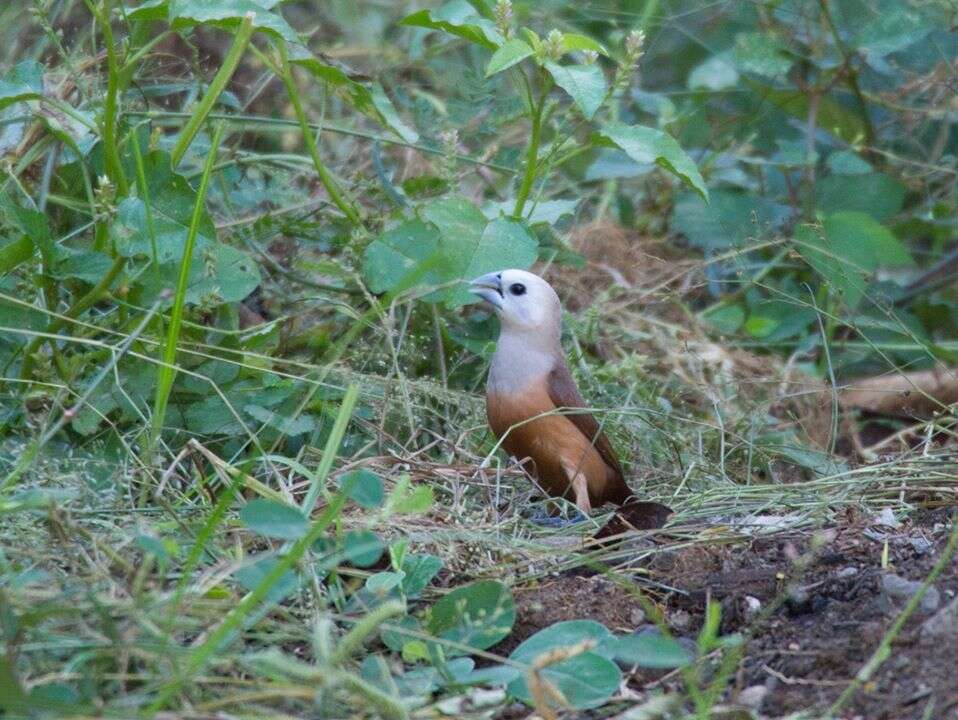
846, 162
586, 680
228, 14
281, 422
760, 54
650, 145
512, 52
363, 548
773, 320
832, 117
367, 489
729, 220
465, 246
274, 519
419, 571
459, 18
14, 253
574, 41
725, 318
252, 575
716, 73
503, 243
877, 194
866, 242
891, 30
584, 83
382, 582
415, 502
369, 98
478, 615
649, 650
397, 252
852, 247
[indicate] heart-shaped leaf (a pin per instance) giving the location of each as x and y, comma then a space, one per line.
274, 519
478, 615
366, 489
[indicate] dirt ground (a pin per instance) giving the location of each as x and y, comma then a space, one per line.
832, 611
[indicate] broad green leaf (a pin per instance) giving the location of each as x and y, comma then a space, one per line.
423, 681
459, 18
761, 54
892, 30
465, 246
729, 220
725, 318
584, 83
88, 266
879, 195
852, 246
363, 548
773, 320
574, 41
503, 243
716, 73
512, 52
251, 576
281, 422
832, 117
866, 242
586, 680
650, 145
415, 501
649, 650
274, 519
397, 252
478, 615
544, 211
367, 489
419, 571
846, 162
14, 253
229, 14
219, 274
382, 582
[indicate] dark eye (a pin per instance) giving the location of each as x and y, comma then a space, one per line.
517, 289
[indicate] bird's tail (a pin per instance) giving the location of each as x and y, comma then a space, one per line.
635, 515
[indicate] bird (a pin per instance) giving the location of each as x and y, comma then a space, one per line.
534, 407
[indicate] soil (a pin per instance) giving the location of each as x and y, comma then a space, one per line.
829, 616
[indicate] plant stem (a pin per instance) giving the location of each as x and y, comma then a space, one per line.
532, 153
111, 152
325, 177
166, 372
220, 80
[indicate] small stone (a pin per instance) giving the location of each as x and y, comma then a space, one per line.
794, 647
752, 607
898, 588
680, 619
943, 625
753, 697
847, 572
636, 616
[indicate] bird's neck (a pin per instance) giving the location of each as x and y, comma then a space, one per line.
521, 360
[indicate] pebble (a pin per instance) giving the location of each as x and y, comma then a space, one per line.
636, 616
898, 588
680, 620
752, 697
847, 572
943, 625
752, 607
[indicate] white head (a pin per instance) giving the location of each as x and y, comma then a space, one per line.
524, 303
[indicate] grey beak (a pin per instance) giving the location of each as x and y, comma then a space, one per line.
489, 288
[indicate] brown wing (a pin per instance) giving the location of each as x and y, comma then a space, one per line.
565, 394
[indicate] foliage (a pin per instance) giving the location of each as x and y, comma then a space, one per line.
222, 250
